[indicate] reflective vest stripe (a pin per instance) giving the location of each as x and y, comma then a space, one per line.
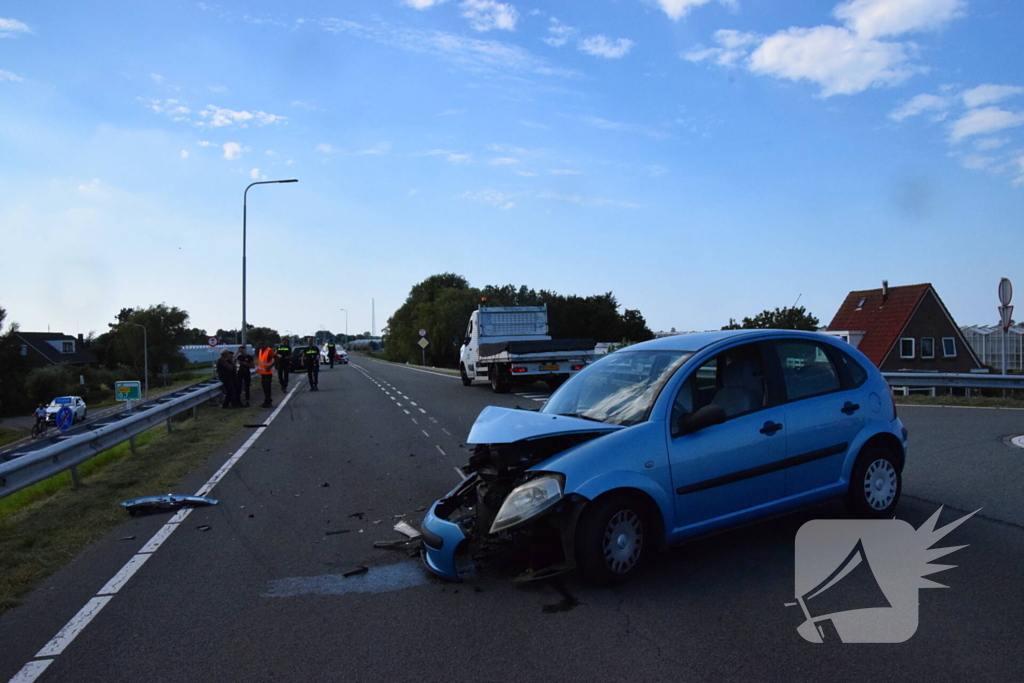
265, 362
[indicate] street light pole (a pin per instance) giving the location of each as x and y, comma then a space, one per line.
145, 354
245, 196
346, 325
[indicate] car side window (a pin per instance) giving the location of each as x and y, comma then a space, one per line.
852, 373
806, 368
733, 380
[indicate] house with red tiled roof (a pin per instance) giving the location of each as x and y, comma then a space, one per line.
904, 328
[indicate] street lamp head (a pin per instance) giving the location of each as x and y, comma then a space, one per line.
291, 180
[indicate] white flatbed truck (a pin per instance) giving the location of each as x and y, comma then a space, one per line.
510, 344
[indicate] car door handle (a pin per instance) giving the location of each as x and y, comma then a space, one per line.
770, 427
850, 408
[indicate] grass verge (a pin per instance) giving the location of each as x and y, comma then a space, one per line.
11, 435
960, 401
45, 526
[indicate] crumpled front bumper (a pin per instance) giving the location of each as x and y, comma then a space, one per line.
441, 539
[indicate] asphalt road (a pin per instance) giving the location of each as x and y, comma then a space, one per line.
260, 596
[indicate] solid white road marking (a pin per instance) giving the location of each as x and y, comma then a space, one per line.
158, 538
127, 572
73, 627
31, 671
66, 635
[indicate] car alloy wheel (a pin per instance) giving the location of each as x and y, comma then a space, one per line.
623, 541
880, 484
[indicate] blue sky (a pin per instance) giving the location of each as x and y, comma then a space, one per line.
703, 159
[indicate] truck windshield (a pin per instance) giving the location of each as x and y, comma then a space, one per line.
618, 389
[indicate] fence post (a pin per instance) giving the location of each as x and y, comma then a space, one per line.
76, 480
168, 425
131, 444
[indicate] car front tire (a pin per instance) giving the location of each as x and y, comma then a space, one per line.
876, 483
613, 539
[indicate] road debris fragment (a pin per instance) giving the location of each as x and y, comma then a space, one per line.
152, 504
358, 515
356, 572
338, 531
203, 527
127, 538
404, 527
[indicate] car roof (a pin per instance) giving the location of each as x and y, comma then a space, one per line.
691, 342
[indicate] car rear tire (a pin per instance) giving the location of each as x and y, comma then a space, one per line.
466, 381
875, 484
613, 539
498, 385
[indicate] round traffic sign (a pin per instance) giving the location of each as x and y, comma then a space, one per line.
423, 333
212, 341
65, 418
1005, 291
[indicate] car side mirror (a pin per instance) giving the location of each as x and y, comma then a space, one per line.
708, 416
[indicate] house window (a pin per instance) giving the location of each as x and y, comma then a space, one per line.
948, 347
67, 347
860, 304
927, 347
907, 347
24, 349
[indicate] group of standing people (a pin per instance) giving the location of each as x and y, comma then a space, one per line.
234, 370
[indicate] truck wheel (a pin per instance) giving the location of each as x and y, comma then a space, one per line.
466, 381
498, 386
555, 382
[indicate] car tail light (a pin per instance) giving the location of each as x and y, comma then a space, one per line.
577, 367
519, 369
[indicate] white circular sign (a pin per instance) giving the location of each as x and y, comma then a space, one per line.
212, 341
423, 333
1005, 291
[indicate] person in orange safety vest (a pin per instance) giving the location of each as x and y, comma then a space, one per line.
265, 369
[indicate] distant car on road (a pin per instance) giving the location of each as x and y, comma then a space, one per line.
669, 439
74, 402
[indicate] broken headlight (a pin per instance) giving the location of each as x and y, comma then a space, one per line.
528, 500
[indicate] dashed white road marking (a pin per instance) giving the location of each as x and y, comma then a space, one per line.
414, 421
462, 475
441, 449
433, 420
425, 433
74, 627
406, 411
446, 431
422, 411
412, 403
31, 671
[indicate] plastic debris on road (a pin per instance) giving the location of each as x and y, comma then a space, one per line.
153, 504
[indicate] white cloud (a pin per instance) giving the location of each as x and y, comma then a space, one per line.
874, 18
984, 121
495, 198
450, 112
157, 78
600, 46
604, 124
839, 60
270, 153
989, 94
219, 89
184, 154
255, 174
587, 201
656, 170
326, 148
503, 161
525, 174
90, 188
503, 147
485, 15
986, 144
233, 150
534, 124
734, 46
206, 143
1019, 180
976, 162
8, 76
217, 117
459, 158
559, 34
920, 103
423, 4
677, 9
412, 192
9, 27
379, 148
564, 171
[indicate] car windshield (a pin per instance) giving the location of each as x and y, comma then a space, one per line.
618, 389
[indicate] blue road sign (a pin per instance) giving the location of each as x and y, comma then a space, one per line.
65, 418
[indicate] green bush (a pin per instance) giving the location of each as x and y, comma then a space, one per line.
43, 384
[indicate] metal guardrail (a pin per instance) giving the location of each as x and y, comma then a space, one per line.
46, 462
950, 379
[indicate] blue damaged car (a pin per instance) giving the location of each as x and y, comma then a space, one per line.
669, 439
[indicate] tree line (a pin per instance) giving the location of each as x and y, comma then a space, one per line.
442, 304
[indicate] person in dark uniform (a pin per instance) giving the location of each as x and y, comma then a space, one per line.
331, 352
311, 362
284, 363
226, 373
245, 365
